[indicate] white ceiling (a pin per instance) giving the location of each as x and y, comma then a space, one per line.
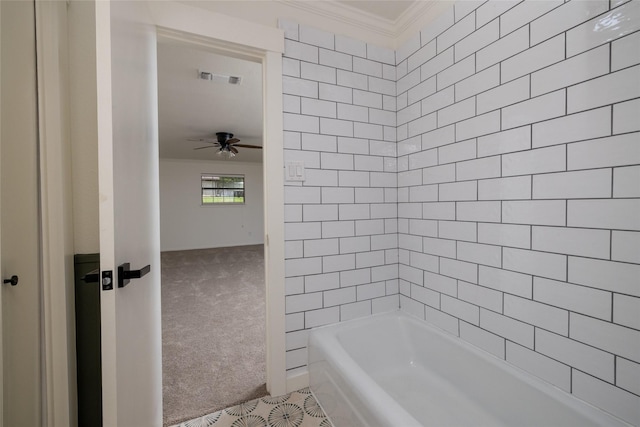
189, 107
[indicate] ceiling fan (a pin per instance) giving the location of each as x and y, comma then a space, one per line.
225, 142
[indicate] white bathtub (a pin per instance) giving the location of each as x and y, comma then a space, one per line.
397, 371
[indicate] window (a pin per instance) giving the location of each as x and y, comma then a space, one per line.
222, 190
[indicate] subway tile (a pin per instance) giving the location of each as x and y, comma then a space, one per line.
580, 299
408, 81
462, 270
350, 46
541, 366
457, 32
575, 127
620, 150
369, 227
476, 41
410, 274
626, 311
609, 276
324, 316
423, 193
383, 179
524, 13
534, 110
572, 241
622, 214
293, 195
503, 48
541, 264
367, 99
421, 56
596, 183
303, 266
492, 9
296, 358
477, 83
600, 29
367, 67
410, 243
294, 285
291, 141
353, 212
462, 310
462, 9
338, 195
385, 241
506, 281
517, 139
356, 310
351, 80
480, 254
425, 159
332, 92
438, 174
606, 336
436, 64
439, 210
339, 296
565, 17
515, 188
625, 52
303, 302
384, 272
477, 126
480, 338
355, 277
335, 59
441, 247
338, 229
506, 94
336, 127
336, 161
463, 150
290, 28
311, 159
420, 91
319, 73
480, 296
338, 263
578, 355
626, 181
511, 329
437, 101
385, 87
317, 37
291, 104
381, 117
301, 51
456, 72
442, 320
412, 307
407, 48
628, 375
367, 130
425, 296
319, 247
606, 396
540, 56
442, 284
457, 230
300, 123
369, 195
384, 210
293, 213
625, 116
609, 89
423, 227
315, 107
625, 246
381, 305
458, 191
294, 322
457, 112
439, 25
541, 160
540, 315
381, 54
352, 112
321, 282
517, 236
324, 212
591, 64
478, 211
408, 114
422, 125
487, 167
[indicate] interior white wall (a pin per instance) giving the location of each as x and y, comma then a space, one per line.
186, 224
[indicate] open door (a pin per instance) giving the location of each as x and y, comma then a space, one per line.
129, 215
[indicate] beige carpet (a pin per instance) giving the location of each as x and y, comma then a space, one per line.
213, 330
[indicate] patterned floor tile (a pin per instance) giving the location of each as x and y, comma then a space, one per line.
296, 409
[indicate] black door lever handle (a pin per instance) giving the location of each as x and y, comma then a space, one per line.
125, 274
13, 280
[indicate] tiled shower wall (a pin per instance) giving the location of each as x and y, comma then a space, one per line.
341, 222
519, 186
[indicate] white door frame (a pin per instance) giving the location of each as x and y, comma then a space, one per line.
247, 40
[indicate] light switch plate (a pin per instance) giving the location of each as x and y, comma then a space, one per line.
294, 171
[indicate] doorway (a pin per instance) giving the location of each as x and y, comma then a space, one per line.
213, 277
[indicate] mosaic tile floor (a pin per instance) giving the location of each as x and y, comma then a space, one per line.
297, 409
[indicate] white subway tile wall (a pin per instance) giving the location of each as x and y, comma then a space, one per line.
530, 184
341, 227
488, 182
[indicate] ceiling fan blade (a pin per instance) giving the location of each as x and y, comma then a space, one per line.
233, 150
232, 140
201, 148
246, 146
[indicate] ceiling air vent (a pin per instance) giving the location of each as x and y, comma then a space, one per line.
219, 78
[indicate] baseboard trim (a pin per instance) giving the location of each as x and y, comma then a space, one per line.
296, 382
